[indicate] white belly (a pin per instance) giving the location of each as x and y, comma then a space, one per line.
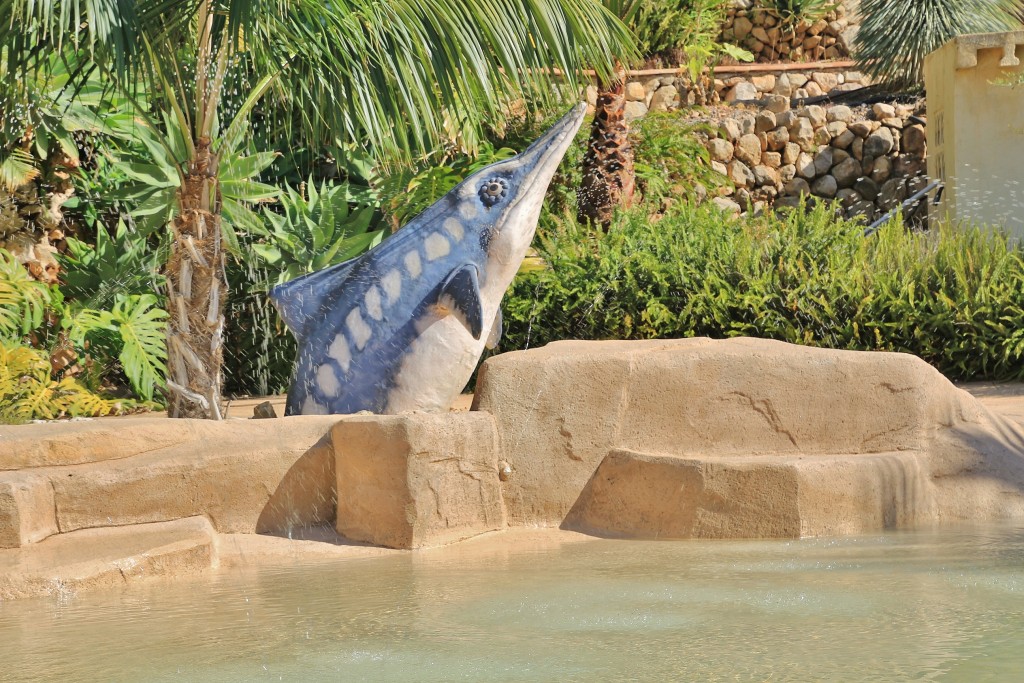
443, 357
437, 366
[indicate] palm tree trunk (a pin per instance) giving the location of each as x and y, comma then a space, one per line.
196, 291
608, 176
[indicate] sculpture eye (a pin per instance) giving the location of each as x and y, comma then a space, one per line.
493, 191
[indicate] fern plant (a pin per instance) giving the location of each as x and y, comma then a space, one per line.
28, 392
895, 37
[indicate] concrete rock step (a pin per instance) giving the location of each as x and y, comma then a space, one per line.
645, 495
107, 557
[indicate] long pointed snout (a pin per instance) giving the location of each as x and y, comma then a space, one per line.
541, 159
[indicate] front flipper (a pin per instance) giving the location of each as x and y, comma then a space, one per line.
460, 294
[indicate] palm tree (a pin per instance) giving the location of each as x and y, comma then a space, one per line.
609, 179
689, 30
392, 75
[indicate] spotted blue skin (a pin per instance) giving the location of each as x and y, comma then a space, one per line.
372, 371
316, 306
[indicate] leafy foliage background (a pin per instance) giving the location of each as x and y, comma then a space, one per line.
954, 297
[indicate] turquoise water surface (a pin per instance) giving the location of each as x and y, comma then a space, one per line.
925, 606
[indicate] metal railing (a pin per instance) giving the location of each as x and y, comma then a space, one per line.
906, 204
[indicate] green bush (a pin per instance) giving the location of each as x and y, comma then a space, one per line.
793, 11
671, 161
954, 298
28, 391
664, 25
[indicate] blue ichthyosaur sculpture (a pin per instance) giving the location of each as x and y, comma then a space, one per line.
401, 327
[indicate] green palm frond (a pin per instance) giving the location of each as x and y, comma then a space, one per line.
896, 35
394, 75
17, 168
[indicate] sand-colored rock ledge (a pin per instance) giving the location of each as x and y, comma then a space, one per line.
417, 480
244, 475
639, 495
26, 509
743, 438
92, 558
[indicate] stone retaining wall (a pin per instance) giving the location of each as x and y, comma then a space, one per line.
665, 90
870, 160
756, 26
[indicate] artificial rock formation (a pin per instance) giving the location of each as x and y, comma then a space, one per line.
416, 480
244, 476
743, 438
771, 36
668, 90
107, 557
690, 438
867, 159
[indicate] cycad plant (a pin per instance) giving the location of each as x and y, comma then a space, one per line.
801, 10
394, 75
896, 35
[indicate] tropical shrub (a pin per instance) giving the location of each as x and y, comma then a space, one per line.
953, 297
122, 263
307, 233
29, 392
126, 336
23, 300
134, 332
671, 161
685, 33
40, 339
665, 25
895, 37
801, 10
46, 117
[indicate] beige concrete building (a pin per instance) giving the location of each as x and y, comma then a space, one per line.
976, 128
